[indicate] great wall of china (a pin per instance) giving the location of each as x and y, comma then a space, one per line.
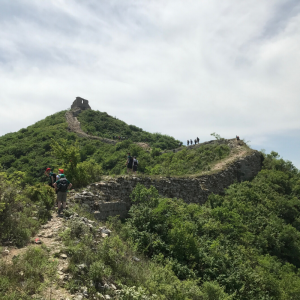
111, 196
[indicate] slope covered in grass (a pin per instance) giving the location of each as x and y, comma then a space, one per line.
184, 162
101, 124
30, 150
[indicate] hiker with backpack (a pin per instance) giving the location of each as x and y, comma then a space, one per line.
188, 142
134, 164
51, 177
198, 140
62, 185
129, 163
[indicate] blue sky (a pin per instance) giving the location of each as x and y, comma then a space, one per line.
184, 68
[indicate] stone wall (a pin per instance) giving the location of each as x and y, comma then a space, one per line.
111, 197
80, 103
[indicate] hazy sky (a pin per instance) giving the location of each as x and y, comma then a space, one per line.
183, 68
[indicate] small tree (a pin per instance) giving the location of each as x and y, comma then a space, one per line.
69, 155
79, 173
217, 136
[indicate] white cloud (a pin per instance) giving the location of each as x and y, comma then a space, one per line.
184, 68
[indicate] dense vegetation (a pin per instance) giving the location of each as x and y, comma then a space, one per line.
112, 158
243, 245
248, 240
22, 210
101, 124
29, 150
48, 143
114, 260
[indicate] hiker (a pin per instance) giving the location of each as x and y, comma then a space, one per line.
129, 163
237, 138
135, 164
62, 185
52, 177
191, 141
188, 142
195, 141
198, 140
60, 171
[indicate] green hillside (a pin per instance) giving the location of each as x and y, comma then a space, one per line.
29, 150
243, 245
101, 124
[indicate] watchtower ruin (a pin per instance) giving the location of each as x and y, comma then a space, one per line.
80, 103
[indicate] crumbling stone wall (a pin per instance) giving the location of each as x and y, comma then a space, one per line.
111, 197
80, 103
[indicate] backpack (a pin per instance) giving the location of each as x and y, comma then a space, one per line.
62, 185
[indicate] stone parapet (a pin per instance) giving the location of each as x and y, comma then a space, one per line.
112, 196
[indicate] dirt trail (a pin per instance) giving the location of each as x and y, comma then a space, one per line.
48, 235
74, 126
220, 165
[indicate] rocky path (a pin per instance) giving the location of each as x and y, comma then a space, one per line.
48, 236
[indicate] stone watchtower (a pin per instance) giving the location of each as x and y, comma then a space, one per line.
80, 103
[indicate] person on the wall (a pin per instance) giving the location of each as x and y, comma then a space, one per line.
134, 164
129, 163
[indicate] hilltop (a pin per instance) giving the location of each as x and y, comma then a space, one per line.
30, 149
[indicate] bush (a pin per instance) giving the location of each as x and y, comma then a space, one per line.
22, 211
244, 241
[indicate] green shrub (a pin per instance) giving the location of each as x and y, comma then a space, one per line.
22, 210
99, 271
245, 241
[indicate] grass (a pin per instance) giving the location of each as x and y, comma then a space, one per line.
27, 275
